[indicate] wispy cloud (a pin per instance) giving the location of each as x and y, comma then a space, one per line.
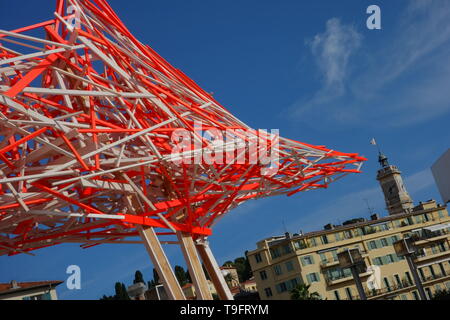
419, 181
403, 81
332, 50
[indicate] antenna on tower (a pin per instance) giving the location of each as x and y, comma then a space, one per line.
368, 206
284, 226
374, 143
382, 159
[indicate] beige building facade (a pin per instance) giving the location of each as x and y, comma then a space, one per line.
280, 263
189, 290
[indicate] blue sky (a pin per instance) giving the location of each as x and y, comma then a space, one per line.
309, 68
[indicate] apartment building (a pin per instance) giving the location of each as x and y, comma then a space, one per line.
280, 263
37, 290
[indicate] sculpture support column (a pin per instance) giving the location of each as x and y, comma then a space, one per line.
214, 271
161, 263
195, 267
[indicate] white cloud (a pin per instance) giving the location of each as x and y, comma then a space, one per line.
419, 181
332, 50
403, 81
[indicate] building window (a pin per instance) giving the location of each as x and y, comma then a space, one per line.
397, 279
277, 270
44, 296
348, 291
289, 266
384, 242
429, 293
275, 252
268, 292
292, 283
404, 297
313, 242
323, 257
334, 254
300, 244
408, 277
258, 258
324, 239
281, 287
307, 260
434, 249
432, 271
441, 266
394, 239
416, 295
312, 277
287, 249
336, 295
422, 275
372, 245
263, 275
386, 283
337, 236
447, 284
337, 273
389, 258
377, 261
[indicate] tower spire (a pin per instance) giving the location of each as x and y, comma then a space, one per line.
382, 159
395, 194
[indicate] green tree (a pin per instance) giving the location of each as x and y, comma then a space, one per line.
242, 266
441, 295
138, 277
301, 292
125, 295
181, 275
155, 276
121, 292
206, 272
247, 274
155, 281
228, 264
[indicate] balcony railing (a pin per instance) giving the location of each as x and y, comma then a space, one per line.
423, 254
386, 290
404, 285
329, 262
433, 277
427, 235
342, 278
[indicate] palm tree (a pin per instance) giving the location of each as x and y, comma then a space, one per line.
301, 292
441, 295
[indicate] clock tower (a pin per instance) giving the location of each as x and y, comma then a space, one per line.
391, 182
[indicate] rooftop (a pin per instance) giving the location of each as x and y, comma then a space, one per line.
423, 207
13, 286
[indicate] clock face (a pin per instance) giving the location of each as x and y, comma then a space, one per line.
391, 189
